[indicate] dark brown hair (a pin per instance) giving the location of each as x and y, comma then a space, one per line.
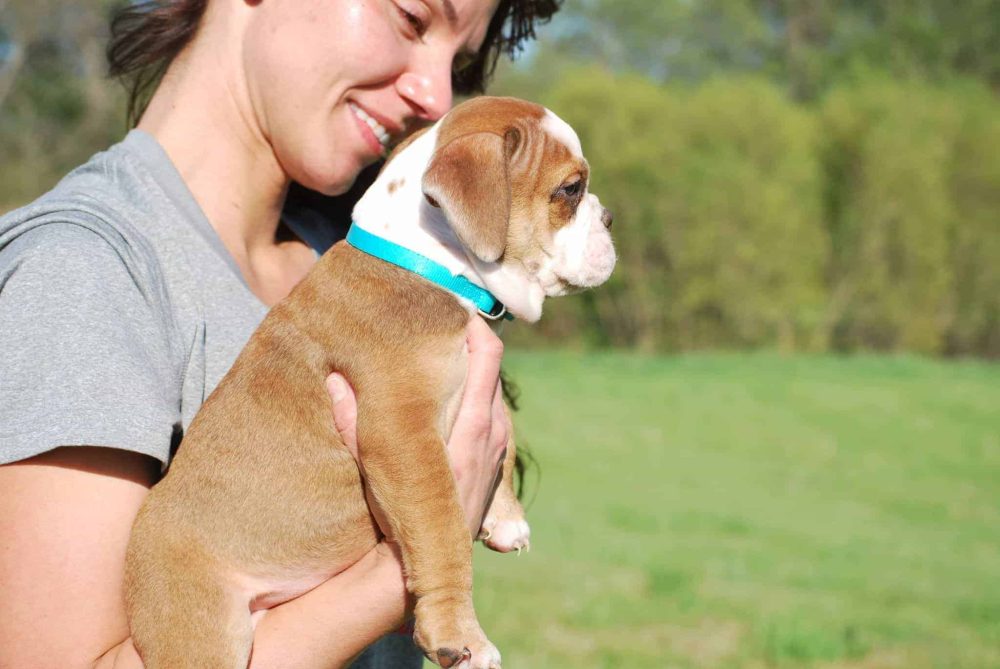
147, 35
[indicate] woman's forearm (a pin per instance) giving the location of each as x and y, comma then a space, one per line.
324, 628
330, 625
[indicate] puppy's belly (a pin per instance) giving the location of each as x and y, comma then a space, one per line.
267, 587
265, 592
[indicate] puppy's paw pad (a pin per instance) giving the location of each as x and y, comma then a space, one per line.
449, 657
485, 656
505, 536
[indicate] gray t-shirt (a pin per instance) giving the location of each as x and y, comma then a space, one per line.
120, 311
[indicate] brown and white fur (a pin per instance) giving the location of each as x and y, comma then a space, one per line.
263, 502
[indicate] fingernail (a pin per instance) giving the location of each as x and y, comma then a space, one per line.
338, 389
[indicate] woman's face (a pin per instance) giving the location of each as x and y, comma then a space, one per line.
334, 82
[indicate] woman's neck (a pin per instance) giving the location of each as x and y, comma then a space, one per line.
202, 116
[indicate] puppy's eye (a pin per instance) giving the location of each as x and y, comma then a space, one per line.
571, 189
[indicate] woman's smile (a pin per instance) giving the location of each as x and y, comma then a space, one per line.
376, 135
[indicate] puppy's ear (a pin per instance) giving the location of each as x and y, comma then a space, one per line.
467, 178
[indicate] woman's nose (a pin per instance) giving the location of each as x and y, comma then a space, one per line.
430, 96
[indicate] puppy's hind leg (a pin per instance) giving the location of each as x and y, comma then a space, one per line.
504, 527
184, 619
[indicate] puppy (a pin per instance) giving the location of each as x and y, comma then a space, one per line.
263, 502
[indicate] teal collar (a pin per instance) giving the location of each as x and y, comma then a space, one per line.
489, 306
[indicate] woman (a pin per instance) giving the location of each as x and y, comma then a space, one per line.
128, 290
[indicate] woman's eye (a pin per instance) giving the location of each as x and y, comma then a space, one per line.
416, 23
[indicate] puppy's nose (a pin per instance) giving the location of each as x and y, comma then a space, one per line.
607, 218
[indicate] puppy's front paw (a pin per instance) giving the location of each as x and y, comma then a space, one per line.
457, 650
506, 535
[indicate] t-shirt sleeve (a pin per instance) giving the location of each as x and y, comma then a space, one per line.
85, 355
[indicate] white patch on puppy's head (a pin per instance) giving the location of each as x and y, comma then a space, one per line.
562, 132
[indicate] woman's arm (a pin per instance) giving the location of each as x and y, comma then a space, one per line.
65, 518
326, 627
64, 522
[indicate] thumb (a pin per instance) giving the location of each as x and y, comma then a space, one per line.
345, 411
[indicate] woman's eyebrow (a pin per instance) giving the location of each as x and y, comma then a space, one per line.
449, 12
451, 15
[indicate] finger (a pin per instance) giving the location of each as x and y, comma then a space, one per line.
345, 416
345, 411
501, 427
485, 353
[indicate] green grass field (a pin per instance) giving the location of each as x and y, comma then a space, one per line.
753, 511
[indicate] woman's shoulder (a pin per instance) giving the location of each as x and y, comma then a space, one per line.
66, 262
112, 208
94, 197
66, 233
80, 238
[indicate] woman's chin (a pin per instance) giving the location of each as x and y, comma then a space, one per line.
330, 182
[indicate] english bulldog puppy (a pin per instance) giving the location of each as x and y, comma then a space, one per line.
483, 215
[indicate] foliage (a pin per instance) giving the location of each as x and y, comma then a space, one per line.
913, 206
58, 108
892, 216
974, 175
806, 45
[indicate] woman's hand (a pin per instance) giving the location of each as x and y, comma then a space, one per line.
478, 440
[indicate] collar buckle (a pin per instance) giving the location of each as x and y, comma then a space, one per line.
498, 311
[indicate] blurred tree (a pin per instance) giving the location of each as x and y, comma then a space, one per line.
668, 39
891, 215
745, 201
805, 44
974, 174
56, 107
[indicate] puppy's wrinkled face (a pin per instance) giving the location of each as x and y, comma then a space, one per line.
514, 185
575, 240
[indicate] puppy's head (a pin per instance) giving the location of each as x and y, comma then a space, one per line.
512, 181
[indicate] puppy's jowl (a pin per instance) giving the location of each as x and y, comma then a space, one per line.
263, 502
